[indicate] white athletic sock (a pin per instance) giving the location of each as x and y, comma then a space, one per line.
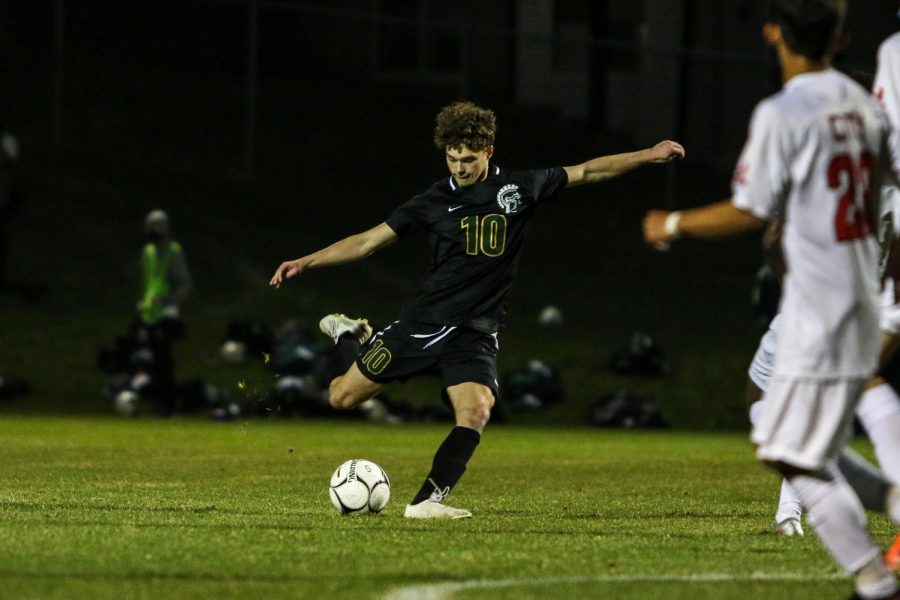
837, 516
879, 413
788, 503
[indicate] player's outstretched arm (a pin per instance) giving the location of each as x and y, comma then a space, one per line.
721, 219
607, 167
350, 249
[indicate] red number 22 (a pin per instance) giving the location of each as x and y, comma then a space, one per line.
851, 221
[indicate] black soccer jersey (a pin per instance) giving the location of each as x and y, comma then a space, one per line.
476, 234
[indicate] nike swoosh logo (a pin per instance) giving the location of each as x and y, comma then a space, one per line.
452, 208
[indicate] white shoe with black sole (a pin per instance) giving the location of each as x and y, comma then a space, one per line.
429, 509
335, 325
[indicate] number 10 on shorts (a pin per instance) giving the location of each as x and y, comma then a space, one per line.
376, 358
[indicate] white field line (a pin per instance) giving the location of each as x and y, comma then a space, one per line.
445, 590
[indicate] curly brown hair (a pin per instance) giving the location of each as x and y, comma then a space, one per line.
465, 124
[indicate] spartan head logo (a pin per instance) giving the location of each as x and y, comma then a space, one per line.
508, 198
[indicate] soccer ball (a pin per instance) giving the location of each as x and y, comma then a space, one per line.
359, 487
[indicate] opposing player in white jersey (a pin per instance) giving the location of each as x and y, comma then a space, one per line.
879, 408
814, 153
876, 404
887, 81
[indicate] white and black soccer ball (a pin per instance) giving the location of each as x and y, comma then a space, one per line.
359, 487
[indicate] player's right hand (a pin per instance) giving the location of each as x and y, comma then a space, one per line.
665, 151
286, 270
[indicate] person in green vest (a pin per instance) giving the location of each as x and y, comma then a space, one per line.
165, 275
166, 282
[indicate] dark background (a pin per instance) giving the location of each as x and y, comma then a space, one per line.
268, 129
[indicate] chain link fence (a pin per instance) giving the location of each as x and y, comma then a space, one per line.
228, 84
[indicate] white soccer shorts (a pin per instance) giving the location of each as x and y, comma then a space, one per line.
806, 422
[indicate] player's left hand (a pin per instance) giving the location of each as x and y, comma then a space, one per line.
655, 229
665, 151
286, 270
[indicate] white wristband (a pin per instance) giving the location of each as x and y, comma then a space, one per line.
670, 227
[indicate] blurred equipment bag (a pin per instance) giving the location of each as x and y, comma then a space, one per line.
642, 357
625, 410
533, 386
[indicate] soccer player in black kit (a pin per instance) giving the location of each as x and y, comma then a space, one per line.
476, 221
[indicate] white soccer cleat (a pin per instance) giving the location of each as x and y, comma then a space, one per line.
335, 325
429, 509
789, 527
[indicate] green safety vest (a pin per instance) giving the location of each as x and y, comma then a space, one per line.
156, 282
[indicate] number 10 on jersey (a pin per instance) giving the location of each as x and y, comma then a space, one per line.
485, 235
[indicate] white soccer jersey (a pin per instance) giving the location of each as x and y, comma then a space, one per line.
812, 150
887, 88
887, 91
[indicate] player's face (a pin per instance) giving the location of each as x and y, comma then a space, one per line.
468, 166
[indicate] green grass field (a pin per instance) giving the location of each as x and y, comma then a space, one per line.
110, 508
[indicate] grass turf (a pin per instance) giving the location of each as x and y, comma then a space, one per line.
108, 508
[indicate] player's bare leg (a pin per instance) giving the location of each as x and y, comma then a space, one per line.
472, 403
352, 389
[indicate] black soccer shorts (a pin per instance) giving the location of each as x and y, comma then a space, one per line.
457, 354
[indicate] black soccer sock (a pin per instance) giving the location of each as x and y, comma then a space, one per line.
346, 351
449, 462
340, 358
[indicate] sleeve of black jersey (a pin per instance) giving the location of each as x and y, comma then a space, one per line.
545, 183
407, 218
